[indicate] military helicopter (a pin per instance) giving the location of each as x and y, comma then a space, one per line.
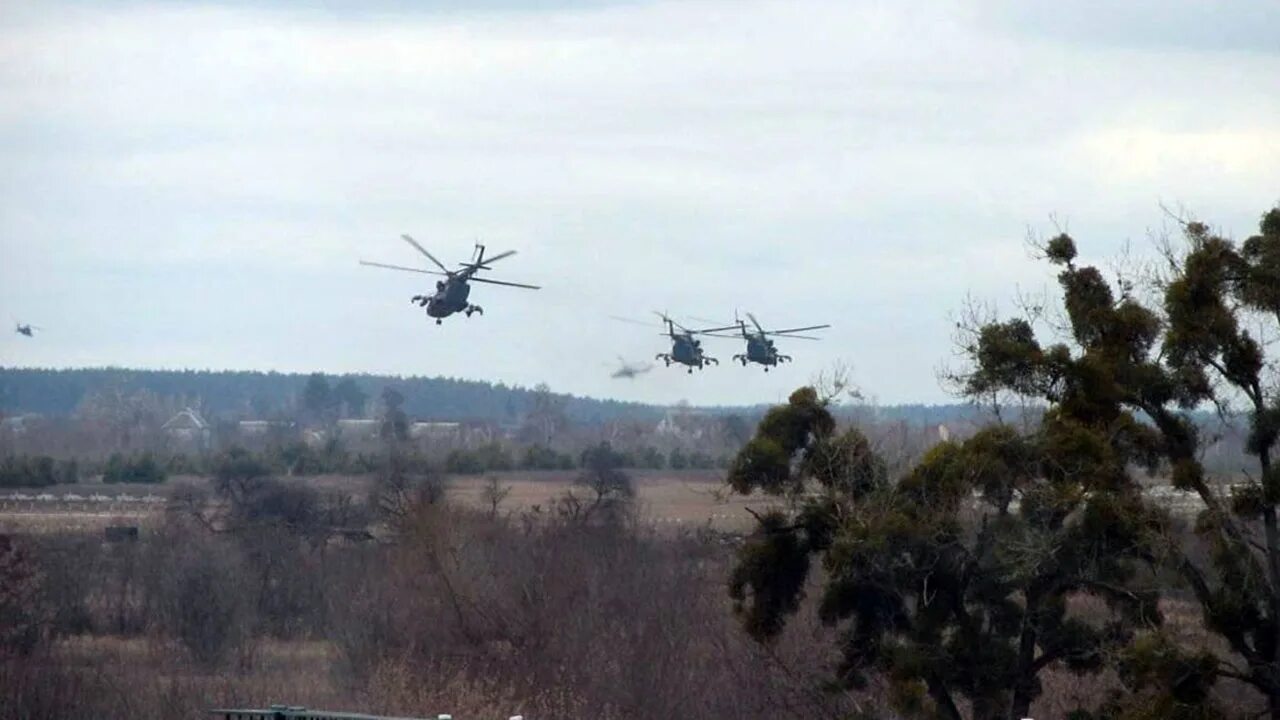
760, 349
629, 370
28, 330
685, 348
451, 293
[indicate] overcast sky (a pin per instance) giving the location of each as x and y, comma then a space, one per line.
191, 185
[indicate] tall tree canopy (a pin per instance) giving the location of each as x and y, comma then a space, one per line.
1203, 339
954, 579
957, 580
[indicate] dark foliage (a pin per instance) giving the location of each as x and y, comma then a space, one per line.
1121, 393
142, 468
31, 472
22, 623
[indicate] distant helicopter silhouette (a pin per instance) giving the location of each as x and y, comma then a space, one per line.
451, 293
28, 330
630, 371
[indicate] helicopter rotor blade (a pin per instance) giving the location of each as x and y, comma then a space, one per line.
799, 337
495, 258
423, 250
799, 329
484, 264
706, 321
508, 284
666, 319
755, 322
400, 267
641, 323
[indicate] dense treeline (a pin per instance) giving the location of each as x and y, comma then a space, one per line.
270, 394
302, 460
263, 395
28, 471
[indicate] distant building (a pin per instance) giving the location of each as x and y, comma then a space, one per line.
254, 428
435, 431
358, 428
188, 430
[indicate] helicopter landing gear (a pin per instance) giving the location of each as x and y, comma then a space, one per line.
742, 359
471, 309
420, 300
439, 321
664, 357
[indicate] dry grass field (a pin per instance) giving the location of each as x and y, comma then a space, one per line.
667, 498
370, 629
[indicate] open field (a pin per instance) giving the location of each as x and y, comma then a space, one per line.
667, 498
675, 498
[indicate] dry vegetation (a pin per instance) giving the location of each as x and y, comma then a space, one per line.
458, 609
461, 611
676, 498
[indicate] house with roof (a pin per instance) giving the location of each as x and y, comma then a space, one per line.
188, 430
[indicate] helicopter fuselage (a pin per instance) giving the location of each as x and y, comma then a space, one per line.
762, 351
686, 350
450, 297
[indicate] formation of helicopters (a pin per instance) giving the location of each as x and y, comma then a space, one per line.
453, 292
452, 295
686, 348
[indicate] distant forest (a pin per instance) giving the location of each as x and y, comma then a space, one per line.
243, 394
265, 395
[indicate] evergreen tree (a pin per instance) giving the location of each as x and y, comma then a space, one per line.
1123, 386
954, 580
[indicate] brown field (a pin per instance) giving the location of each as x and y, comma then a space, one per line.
677, 499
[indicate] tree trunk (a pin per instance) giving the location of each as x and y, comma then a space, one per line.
946, 706
1021, 705
1273, 566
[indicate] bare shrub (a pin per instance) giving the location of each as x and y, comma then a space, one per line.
614, 619
493, 494
463, 612
198, 594
21, 615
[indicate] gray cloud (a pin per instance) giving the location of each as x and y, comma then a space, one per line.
1196, 25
